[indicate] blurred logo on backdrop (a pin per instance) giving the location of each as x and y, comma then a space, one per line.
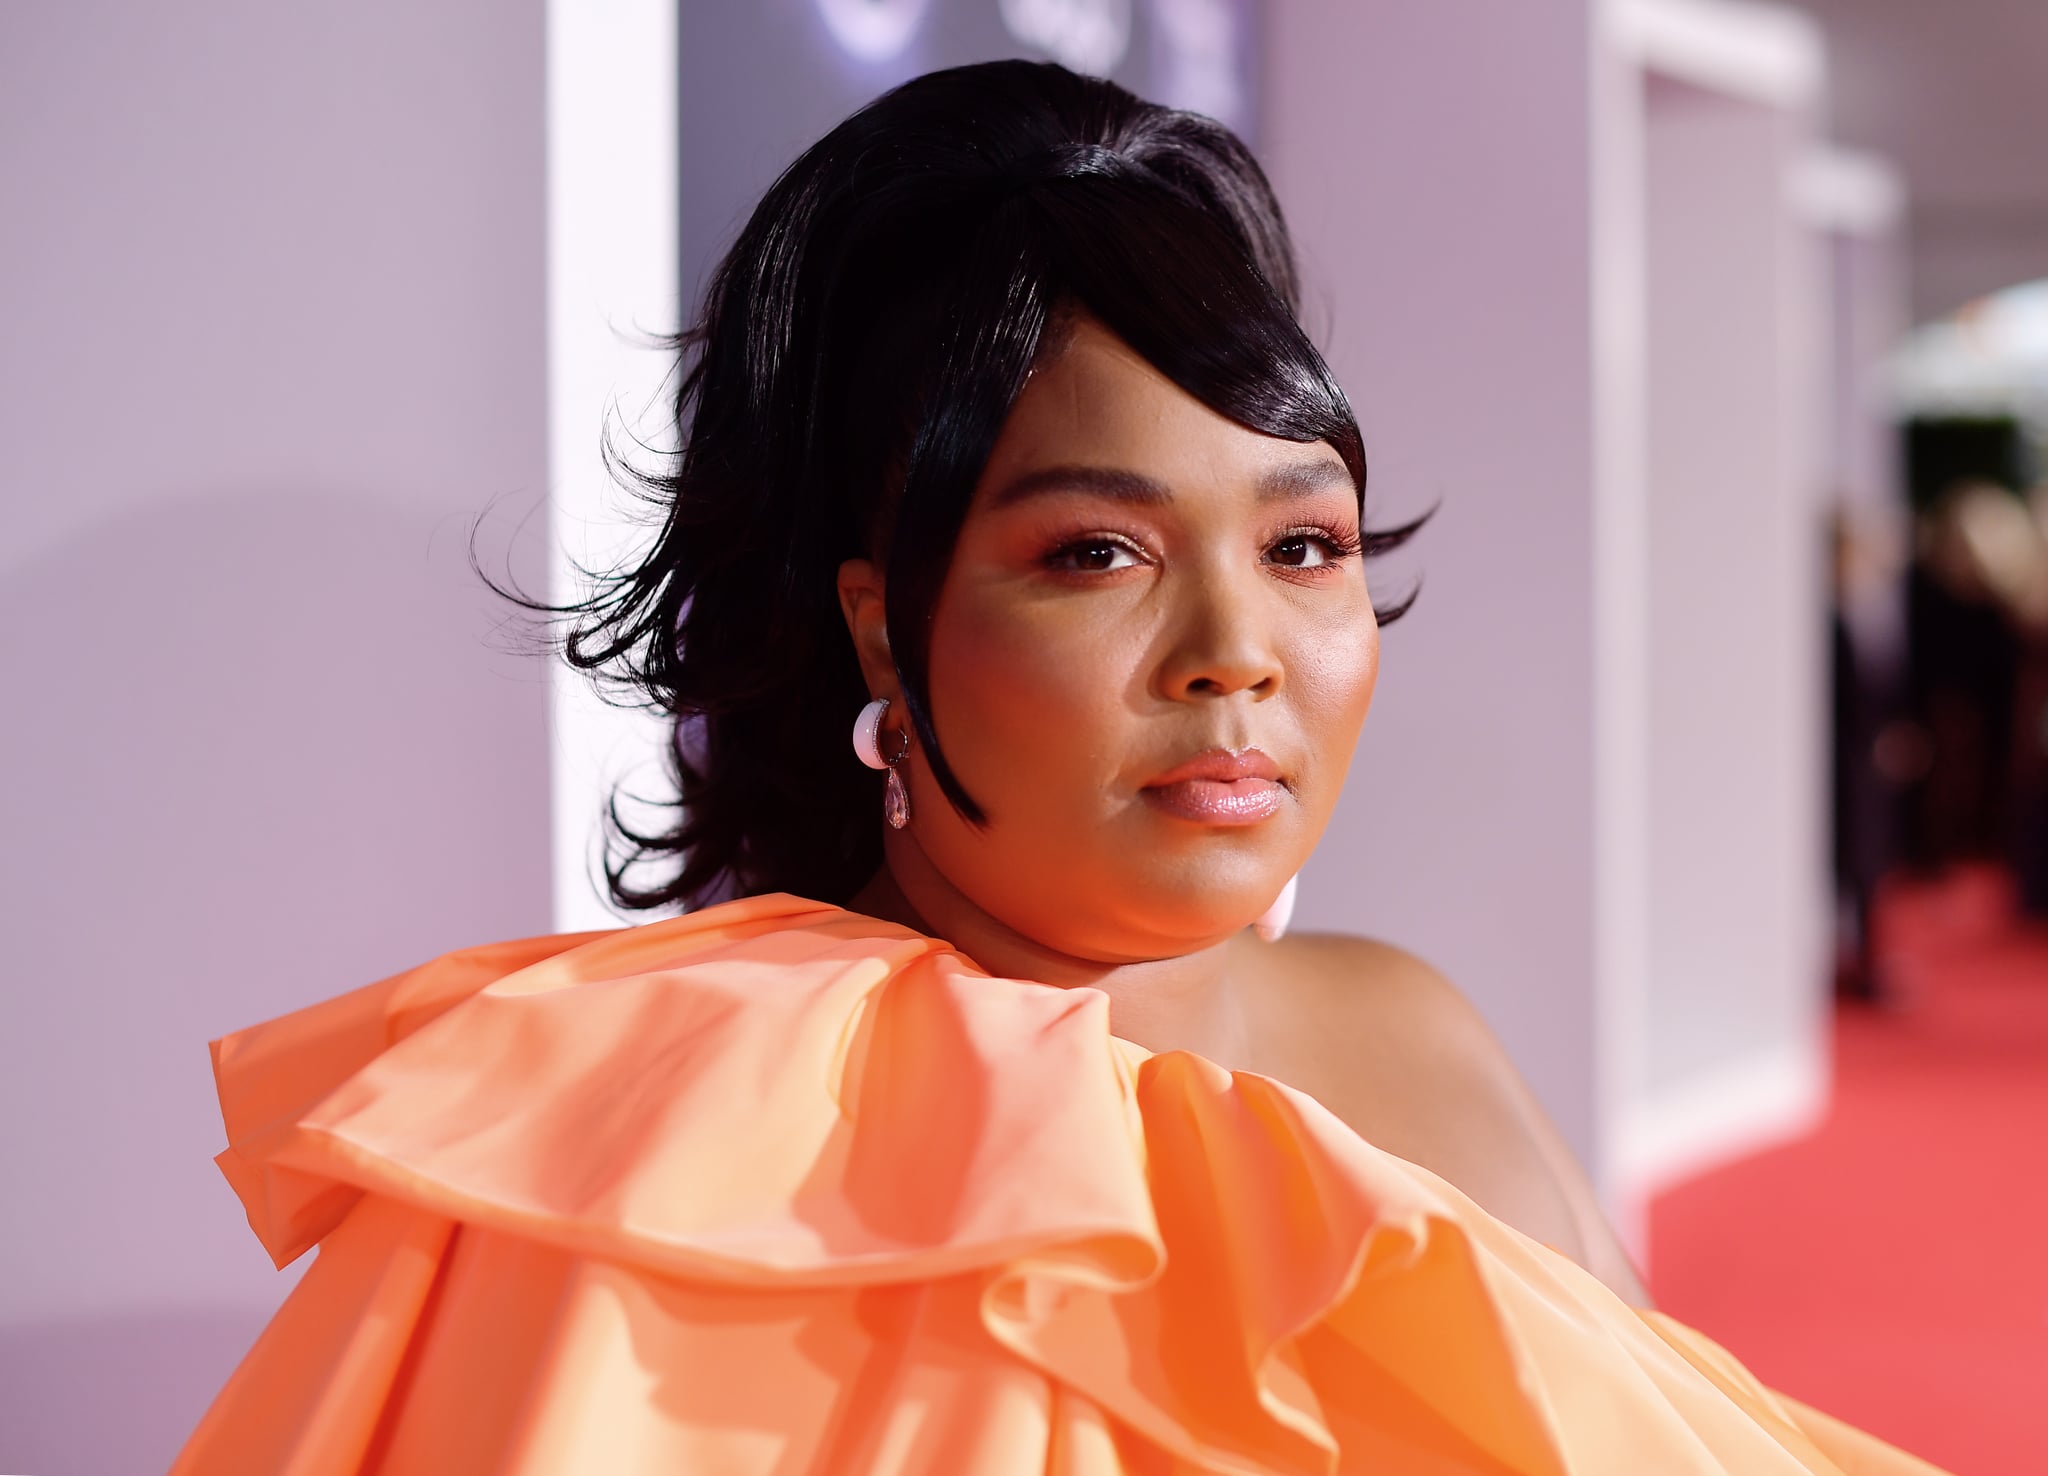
1190, 53
1200, 58
873, 30
1086, 35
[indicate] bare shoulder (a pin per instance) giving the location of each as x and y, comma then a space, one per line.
1380, 1027
1333, 974
1388, 1043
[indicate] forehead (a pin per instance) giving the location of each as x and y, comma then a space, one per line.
1096, 401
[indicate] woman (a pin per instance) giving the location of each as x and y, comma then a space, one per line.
954, 1141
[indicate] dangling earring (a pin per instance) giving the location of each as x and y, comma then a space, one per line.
867, 746
895, 794
1273, 921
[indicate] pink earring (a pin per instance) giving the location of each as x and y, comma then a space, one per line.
867, 746
1274, 920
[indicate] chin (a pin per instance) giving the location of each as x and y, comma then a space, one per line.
1198, 911
1112, 914
1129, 887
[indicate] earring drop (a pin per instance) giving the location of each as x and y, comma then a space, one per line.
867, 746
895, 794
1273, 921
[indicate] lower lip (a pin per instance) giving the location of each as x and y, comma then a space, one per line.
1217, 801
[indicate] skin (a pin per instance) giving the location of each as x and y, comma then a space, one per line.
1140, 580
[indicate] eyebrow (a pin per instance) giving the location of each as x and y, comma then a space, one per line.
1290, 479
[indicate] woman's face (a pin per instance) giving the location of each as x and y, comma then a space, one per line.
1150, 662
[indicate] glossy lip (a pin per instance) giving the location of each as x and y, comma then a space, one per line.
1219, 787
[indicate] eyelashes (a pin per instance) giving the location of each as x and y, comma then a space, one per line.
1304, 548
1097, 553
1337, 544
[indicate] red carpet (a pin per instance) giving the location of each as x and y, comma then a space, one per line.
1893, 1267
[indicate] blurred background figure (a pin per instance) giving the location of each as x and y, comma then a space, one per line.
2030, 728
1874, 750
1976, 559
1972, 389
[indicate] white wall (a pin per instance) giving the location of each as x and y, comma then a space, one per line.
1737, 556
272, 285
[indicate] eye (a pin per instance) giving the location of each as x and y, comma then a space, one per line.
1309, 548
1096, 554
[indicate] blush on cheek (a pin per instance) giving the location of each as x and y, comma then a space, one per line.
1336, 674
1017, 699
1332, 686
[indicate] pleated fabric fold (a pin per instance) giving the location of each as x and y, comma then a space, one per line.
776, 1189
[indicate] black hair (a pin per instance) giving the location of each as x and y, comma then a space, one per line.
857, 352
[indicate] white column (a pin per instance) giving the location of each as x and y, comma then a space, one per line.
612, 262
1734, 1053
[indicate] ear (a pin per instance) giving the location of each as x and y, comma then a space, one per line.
862, 602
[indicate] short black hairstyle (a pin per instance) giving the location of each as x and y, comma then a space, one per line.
857, 352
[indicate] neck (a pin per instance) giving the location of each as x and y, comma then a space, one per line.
1185, 1002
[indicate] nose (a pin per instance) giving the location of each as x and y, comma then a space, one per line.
1223, 641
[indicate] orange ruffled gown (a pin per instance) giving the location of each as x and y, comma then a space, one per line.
779, 1188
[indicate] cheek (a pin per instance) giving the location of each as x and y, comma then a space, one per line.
1030, 698
1333, 671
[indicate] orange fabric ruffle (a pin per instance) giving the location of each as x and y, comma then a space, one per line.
778, 1188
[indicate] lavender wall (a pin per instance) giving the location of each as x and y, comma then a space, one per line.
274, 335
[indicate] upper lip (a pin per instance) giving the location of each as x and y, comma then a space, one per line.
1221, 764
